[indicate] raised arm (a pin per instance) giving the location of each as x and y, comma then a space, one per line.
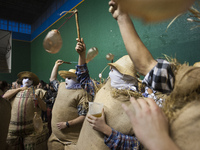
81, 50
55, 70
10, 93
139, 54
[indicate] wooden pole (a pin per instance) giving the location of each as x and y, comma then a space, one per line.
77, 24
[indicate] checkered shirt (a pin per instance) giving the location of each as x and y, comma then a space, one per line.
161, 77
119, 141
83, 77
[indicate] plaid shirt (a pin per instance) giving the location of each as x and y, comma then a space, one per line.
161, 77
81, 110
83, 77
119, 141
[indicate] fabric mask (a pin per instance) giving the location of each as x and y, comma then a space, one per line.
27, 82
70, 82
120, 81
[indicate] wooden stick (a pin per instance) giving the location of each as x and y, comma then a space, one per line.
66, 62
111, 9
77, 24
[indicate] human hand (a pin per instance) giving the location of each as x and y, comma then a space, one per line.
99, 123
114, 9
23, 88
59, 62
61, 125
80, 46
149, 122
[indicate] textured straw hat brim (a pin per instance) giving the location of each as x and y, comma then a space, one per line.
28, 74
125, 66
65, 74
197, 64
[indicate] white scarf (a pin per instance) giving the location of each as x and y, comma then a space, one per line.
70, 82
120, 81
27, 82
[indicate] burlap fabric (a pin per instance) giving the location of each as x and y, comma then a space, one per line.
23, 108
34, 141
65, 109
5, 113
186, 89
184, 129
116, 118
182, 108
187, 80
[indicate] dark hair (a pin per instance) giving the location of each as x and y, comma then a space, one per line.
19, 81
3, 85
43, 83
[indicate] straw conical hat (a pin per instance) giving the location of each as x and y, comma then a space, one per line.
27, 74
125, 66
64, 74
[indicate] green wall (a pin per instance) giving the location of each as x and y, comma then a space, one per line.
21, 56
100, 30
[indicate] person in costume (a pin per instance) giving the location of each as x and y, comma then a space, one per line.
69, 110
181, 108
158, 74
122, 84
181, 83
25, 102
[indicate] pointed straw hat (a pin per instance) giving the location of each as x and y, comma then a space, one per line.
28, 74
125, 66
64, 74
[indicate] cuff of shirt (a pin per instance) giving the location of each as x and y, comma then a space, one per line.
81, 67
111, 137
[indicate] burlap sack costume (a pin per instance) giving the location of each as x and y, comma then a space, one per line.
24, 104
65, 109
182, 108
5, 113
115, 116
33, 141
23, 108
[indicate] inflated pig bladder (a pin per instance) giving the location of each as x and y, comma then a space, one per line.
52, 42
155, 10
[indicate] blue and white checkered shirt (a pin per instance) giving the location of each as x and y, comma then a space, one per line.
119, 141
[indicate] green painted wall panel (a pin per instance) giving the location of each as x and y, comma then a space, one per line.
99, 29
20, 60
